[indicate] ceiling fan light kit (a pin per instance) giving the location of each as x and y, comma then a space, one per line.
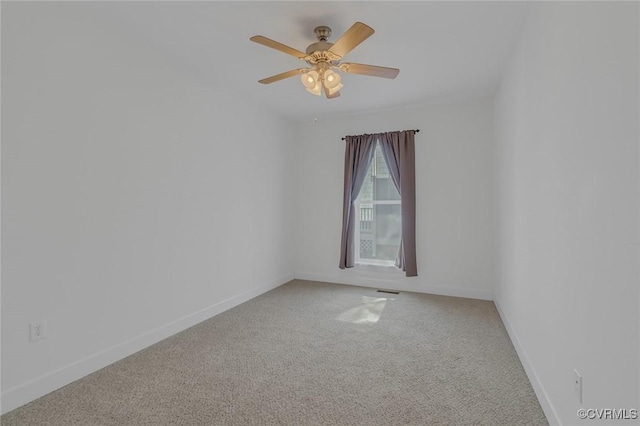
324, 59
325, 78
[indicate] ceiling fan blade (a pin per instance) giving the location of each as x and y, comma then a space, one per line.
355, 35
372, 70
282, 76
278, 46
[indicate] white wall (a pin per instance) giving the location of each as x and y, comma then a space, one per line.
135, 202
454, 190
567, 125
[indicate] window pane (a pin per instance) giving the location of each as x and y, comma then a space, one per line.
380, 229
381, 166
383, 186
385, 189
366, 193
388, 228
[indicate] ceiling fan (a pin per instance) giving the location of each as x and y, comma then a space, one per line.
324, 60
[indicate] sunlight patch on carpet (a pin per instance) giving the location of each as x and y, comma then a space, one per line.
367, 313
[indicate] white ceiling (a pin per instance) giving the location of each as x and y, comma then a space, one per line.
444, 50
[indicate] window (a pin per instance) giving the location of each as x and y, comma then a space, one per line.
378, 216
374, 221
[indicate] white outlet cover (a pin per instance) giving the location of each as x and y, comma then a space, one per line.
577, 385
37, 330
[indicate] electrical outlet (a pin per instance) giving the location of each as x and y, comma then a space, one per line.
577, 385
37, 330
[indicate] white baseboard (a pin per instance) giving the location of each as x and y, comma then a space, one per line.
40, 386
394, 284
543, 398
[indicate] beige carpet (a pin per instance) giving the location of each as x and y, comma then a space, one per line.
311, 353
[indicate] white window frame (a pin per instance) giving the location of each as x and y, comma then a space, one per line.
364, 261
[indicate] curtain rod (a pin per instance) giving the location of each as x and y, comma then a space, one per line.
416, 131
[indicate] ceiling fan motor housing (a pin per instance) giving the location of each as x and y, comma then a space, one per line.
319, 51
318, 46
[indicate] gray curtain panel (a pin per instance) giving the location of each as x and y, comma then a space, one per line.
357, 158
399, 154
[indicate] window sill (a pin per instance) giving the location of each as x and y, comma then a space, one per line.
377, 268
